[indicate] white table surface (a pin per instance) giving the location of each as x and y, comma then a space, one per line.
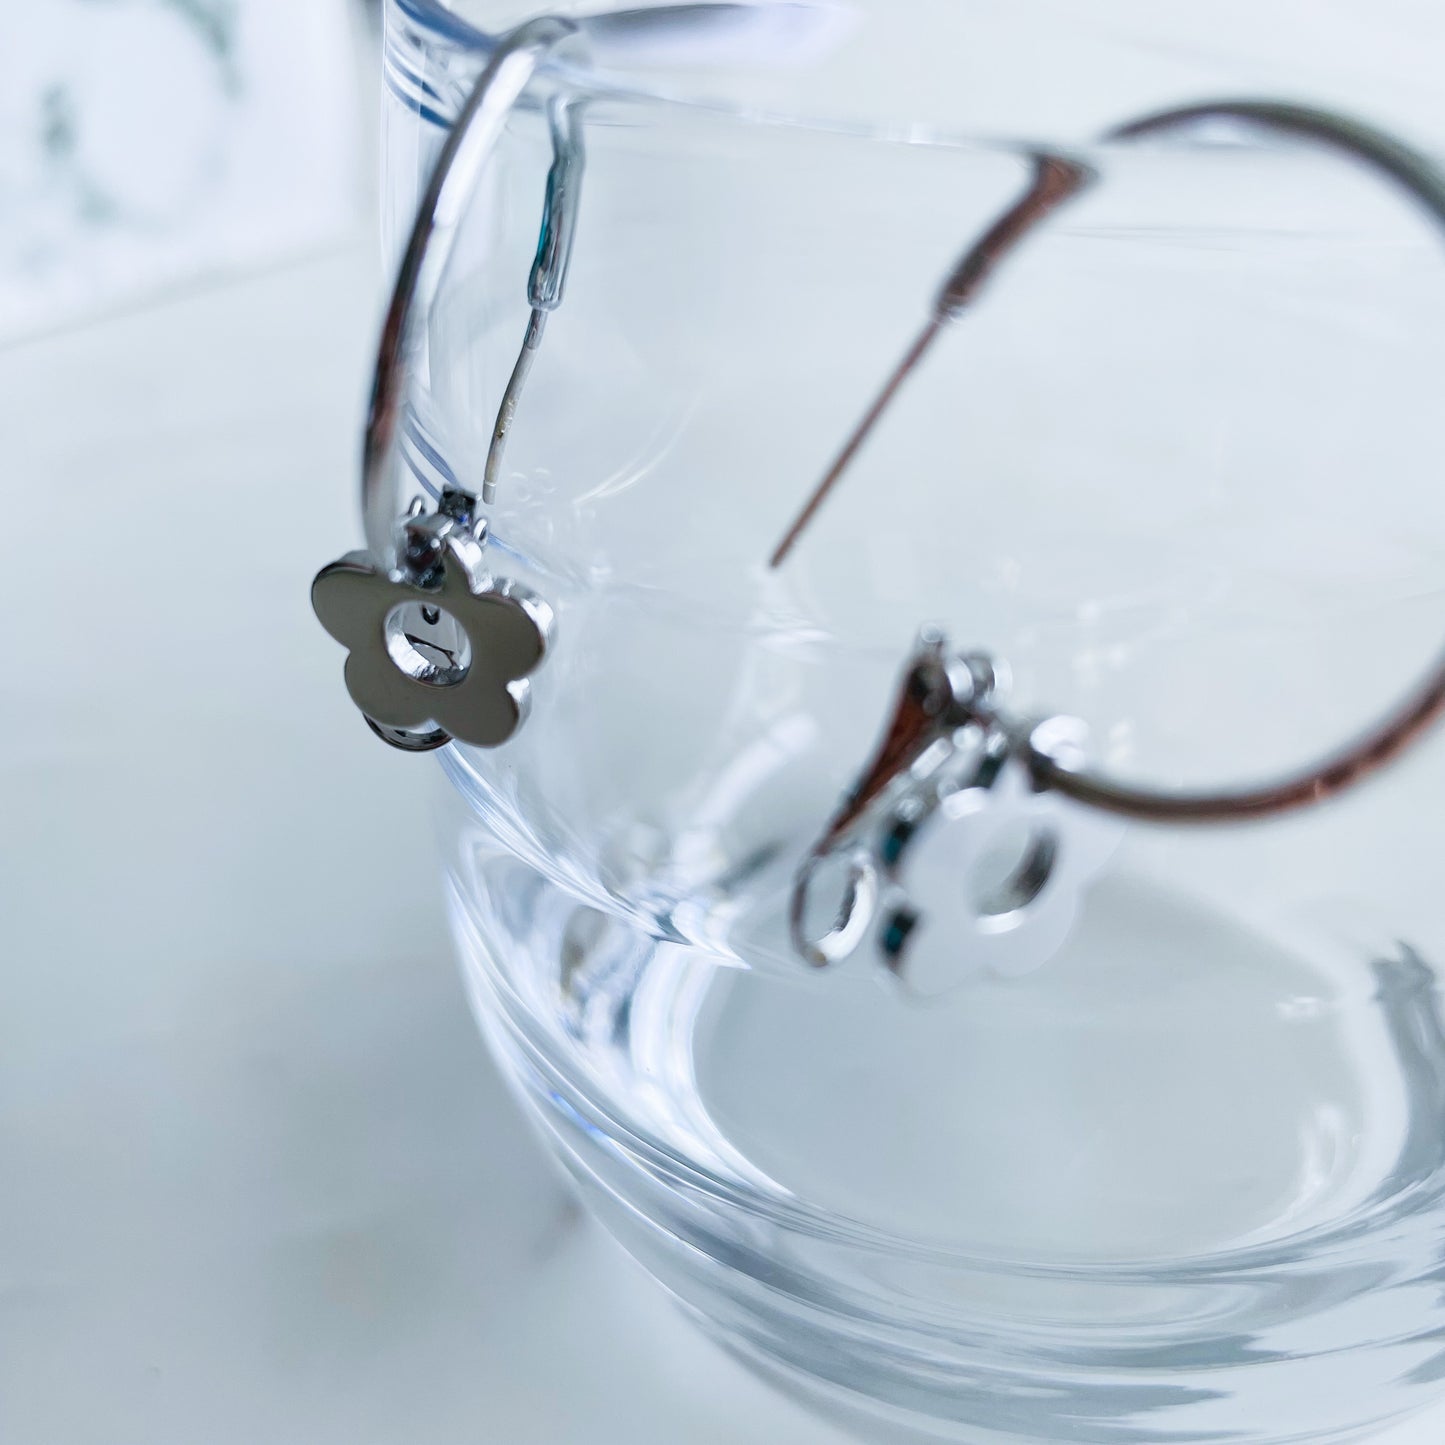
258, 1181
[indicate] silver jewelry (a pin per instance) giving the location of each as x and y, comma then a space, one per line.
942, 796
438, 649
945, 697
441, 649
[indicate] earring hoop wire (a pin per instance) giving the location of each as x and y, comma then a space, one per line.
516, 58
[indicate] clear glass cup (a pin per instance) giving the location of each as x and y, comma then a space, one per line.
1183, 1180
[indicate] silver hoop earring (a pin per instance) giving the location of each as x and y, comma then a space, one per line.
950, 704
438, 647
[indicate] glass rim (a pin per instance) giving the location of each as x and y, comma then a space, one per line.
475, 44
654, 82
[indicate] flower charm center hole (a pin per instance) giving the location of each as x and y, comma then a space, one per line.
853, 882
1014, 870
428, 644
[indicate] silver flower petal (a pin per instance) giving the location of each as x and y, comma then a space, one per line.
506, 626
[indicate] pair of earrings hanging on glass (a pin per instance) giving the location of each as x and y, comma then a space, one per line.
963, 799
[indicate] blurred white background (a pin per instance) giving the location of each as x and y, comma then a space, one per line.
147, 143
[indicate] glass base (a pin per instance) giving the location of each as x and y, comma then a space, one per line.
1185, 1183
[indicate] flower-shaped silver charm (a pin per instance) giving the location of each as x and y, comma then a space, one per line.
948, 814
988, 876
435, 654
